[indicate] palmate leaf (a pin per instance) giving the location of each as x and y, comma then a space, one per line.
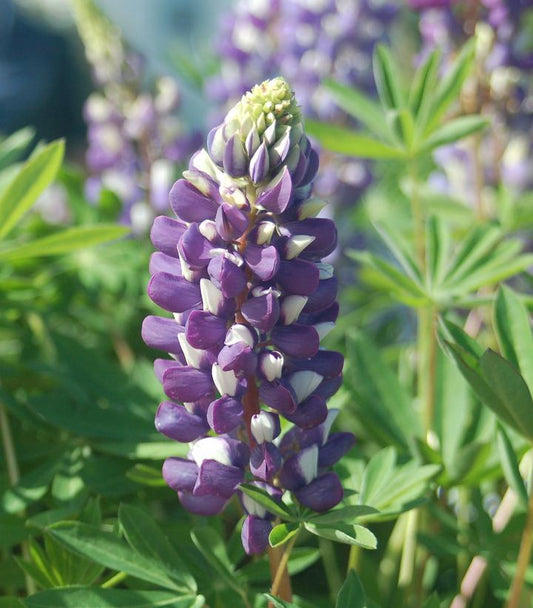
110, 551
344, 141
358, 105
389, 488
450, 85
381, 401
386, 83
147, 539
454, 130
76, 597
36, 175
64, 241
423, 89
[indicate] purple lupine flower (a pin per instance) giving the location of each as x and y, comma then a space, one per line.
241, 269
305, 42
504, 60
135, 139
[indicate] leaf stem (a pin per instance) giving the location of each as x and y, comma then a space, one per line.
114, 580
524, 554
407, 563
331, 567
13, 475
279, 558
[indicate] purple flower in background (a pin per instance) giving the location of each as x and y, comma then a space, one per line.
136, 141
241, 270
305, 42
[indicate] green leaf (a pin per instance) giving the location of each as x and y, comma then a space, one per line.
402, 124
276, 507
400, 249
423, 89
379, 397
343, 533
110, 551
510, 465
352, 594
86, 597
146, 475
454, 130
153, 450
345, 514
398, 284
14, 146
30, 488
473, 250
510, 388
64, 241
386, 83
437, 250
147, 539
450, 86
359, 106
513, 330
212, 547
279, 603
389, 488
281, 533
344, 141
36, 174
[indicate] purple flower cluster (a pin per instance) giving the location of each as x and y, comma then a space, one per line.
135, 138
241, 270
305, 42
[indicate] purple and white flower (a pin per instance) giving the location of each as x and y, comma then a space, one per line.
241, 269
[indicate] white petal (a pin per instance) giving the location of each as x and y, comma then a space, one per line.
211, 448
226, 382
304, 383
291, 307
265, 230
263, 427
193, 356
310, 208
308, 462
323, 329
272, 365
212, 297
239, 333
297, 243
253, 507
208, 229
325, 270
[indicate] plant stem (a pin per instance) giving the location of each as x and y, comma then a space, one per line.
13, 475
407, 564
501, 518
526, 544
331, 568
354, 558
114, 580
281, 582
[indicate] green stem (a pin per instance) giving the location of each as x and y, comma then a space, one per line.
524, 554
407, 564
114, 580
331, 567
13, 475
354, 558
281, 579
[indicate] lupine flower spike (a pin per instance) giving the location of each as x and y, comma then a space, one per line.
240, 268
